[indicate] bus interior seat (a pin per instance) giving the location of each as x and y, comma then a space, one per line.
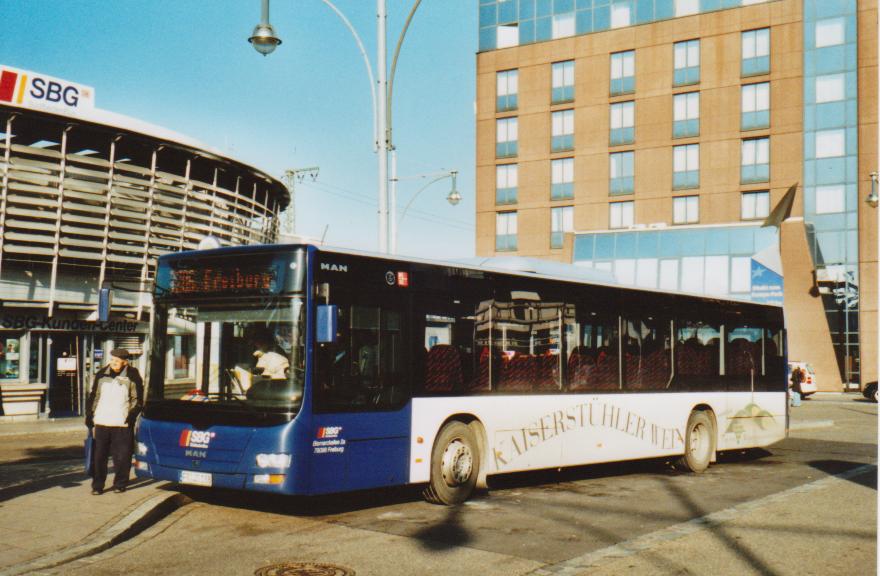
580, 368
547, 372
517, 373
442, 369
741, 358
606, 373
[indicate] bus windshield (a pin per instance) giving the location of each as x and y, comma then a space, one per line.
243, 355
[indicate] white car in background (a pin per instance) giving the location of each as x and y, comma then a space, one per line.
808, 386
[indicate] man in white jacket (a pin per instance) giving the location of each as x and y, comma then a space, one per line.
113, 405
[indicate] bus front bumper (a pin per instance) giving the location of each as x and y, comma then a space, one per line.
263, 482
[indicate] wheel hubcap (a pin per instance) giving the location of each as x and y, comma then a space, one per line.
699, 440
457, 463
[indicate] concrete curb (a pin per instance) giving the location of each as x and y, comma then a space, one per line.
811, 424
47, 428
145, 515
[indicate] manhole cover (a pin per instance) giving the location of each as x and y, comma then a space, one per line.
304, 569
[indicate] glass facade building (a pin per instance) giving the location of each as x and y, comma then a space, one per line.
694, 125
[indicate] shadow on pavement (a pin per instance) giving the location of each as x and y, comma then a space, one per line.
445, 535
324, 505
831, 467
49, 454
67, 480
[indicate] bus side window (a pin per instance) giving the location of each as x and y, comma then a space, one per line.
646, 353
592, 362
697, 355
448, 348
742, 356
773, 377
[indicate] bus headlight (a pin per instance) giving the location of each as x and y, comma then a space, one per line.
142, 449
273, 460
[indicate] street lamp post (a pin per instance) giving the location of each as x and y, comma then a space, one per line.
265, 41
454, 197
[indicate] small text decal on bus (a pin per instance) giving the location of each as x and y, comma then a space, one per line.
196, 438
334, 267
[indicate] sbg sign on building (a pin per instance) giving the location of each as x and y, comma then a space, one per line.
40, 92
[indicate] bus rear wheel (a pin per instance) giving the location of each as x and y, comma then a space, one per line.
699, 442
455, 465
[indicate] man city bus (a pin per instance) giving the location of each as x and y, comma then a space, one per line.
298, 370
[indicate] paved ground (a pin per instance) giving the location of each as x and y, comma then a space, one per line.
805, 506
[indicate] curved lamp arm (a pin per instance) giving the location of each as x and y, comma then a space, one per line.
388, 130
360, 45
452, 175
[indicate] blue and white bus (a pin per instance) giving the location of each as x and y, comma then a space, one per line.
298, 370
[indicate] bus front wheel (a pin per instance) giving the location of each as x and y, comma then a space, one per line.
455, 465
699, 442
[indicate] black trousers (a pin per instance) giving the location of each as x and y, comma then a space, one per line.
113, 441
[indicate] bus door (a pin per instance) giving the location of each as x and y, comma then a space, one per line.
361, 392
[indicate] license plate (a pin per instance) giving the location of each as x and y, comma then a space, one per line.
195, 478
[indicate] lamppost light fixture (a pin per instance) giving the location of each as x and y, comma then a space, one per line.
264, 39
872, 198
454, 197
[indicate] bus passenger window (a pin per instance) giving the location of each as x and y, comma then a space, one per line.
361, 370
593, 360
646, 354
742, 357
774, 360
697, 355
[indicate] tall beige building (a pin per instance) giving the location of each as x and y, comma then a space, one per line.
652, 138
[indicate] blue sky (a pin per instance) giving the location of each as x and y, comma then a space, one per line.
186, 65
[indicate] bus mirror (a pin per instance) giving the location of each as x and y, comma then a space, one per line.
327, 315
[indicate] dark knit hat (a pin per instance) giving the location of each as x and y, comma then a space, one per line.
120, 353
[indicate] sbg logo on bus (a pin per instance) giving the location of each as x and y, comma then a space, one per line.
196, 438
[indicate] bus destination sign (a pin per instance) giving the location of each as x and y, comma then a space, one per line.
228, 279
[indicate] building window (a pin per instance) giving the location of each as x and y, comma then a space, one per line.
686, 210
563, 25
507, 88
623, 69
621, 181
830, 143
506, 182
507, 36
830, 199
830, 32
686, 166
741, 274
562, 131
687, 63
756, 52
686, 115
755, 106
621, 214
562, 179
563, 82
561, 221
830, 88
686, 7
622, 123
506, 134
620, 14
755, 205
755, 160
505, 231
10, 359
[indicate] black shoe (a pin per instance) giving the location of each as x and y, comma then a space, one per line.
96, 492
119, 489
